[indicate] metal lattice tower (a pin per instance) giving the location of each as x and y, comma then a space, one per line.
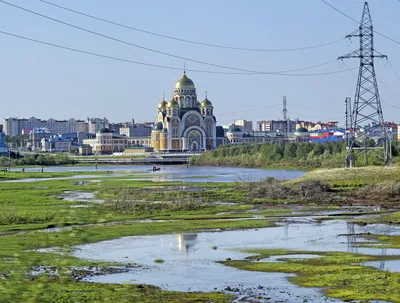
367, 117
348, 130
285, 116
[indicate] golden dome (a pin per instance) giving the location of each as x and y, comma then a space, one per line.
184, 82
163, 104
206, 103
173, 103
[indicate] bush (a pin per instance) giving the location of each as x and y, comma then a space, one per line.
388, 191
311, 191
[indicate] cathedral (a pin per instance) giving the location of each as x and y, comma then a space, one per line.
184, 123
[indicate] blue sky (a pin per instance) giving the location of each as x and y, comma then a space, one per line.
41, 81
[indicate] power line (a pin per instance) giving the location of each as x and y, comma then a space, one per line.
379, 79
157, 65
186, 40
150, 49
351, 18
247, 110
391, 66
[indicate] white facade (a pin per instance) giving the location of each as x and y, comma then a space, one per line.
15, 126
55, 144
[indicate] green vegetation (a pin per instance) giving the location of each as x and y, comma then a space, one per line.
355, 177
280, 154
340, 274
41, 159
25, 208
159, 261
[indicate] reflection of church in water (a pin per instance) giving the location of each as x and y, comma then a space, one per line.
186, 242
184, 123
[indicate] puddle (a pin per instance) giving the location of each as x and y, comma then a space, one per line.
189, 265
392, 265
190, 259
80, 196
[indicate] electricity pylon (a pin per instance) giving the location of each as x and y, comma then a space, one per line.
368, 131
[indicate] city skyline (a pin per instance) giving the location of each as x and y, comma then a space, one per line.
49, 82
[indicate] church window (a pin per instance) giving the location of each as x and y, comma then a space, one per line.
175, 129
209, 128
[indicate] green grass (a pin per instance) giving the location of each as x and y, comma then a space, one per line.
339, 274
354, 177
160, 261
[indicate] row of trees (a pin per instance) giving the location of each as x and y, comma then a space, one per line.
42, 159
328, 154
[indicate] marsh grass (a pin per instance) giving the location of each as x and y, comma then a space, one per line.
159, 261
340, 274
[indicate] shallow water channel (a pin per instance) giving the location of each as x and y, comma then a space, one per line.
171, 173
190, 259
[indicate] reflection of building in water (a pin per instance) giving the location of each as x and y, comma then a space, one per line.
351, 238
186, 242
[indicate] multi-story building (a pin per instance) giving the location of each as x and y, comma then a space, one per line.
15, 126
11, 126
245, 125
135, 130
95, 124
276, 126
107, 142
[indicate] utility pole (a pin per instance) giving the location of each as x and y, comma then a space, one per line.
367, 116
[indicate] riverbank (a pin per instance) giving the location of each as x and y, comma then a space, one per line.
281, 154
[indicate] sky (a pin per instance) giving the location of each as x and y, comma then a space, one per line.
42, 81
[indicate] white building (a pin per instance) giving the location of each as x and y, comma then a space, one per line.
107, 142
55, 144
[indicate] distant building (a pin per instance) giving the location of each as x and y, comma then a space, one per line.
107, 142
16, 126
78, 137
184, 123
316, 126
245, 125
55, 144
136, 130
36, 135
85, 150
95, 124
3, 145
276, 126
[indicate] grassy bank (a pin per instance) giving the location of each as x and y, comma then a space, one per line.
282, 155
340, 274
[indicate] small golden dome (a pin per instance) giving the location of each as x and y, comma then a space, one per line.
206, 103
163, 104
173, 104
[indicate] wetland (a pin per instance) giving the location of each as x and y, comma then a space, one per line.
199, 234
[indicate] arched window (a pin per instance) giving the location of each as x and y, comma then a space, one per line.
209, 125
175, 129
